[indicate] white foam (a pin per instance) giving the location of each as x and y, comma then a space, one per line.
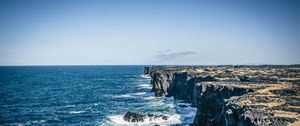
145, 76
171, 105
146, 86
182, 108
38, 121
179, 112
139, 93
70, 106
76, 112
156, 104
19, 124
182, 103
187, 112
124, 96
118, 120
130, 95
149, 98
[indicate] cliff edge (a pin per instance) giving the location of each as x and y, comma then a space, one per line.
233, 95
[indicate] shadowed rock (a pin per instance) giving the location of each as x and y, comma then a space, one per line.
136, 117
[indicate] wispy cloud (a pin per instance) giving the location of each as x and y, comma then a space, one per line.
164, 51
168, 55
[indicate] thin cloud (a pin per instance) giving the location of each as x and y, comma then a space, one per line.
166, 56
164, 51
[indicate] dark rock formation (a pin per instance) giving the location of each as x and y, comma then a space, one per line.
160, 81
136, 117
182, 85
209, 99
233, 95
147, 70
235, 112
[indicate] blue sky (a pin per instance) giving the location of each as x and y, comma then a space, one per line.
183, 32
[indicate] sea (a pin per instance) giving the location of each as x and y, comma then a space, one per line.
83, 95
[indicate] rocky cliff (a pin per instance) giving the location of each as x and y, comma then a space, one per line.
233, 95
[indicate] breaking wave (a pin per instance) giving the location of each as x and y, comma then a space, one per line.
117, 120
145, 76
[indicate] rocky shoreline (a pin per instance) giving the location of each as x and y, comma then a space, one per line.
233, 95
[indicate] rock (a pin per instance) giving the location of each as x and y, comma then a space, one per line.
146, 70
182, 85
209, 78
160, 82
136, 117
165, 117
244, 78
210, 102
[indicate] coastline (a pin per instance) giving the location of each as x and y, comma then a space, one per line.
233, 95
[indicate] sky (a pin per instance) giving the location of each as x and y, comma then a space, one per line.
149, 32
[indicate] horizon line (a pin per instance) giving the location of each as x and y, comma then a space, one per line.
16, 65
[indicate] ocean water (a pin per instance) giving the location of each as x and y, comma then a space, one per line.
83, 95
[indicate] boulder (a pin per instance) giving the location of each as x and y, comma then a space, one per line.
136, 117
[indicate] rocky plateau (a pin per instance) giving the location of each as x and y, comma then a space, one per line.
233, 95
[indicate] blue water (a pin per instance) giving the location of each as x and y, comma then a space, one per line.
82, 95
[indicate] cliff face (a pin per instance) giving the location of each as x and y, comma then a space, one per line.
209, 99
147, 70
160, 81
232, 96
182, 85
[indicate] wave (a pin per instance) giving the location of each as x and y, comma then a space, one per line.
130, 95
119, 121
146, 86
31, 122
145, 76
185, 110
76, 112
139, 93
38, 121
149, 98
124, 96
179, 112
